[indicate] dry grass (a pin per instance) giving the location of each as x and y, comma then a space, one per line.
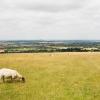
53, 76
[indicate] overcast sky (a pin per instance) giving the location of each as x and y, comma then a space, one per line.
49, 19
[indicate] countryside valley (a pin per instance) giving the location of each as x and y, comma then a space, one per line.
35, 46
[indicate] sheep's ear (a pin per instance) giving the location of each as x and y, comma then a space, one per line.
23, 79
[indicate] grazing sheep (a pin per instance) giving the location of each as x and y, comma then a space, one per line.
12, 74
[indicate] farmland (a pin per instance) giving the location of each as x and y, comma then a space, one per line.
53, 76
37, 46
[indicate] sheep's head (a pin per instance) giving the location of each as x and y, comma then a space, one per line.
23, 79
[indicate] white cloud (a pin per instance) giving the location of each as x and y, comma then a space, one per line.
49, 19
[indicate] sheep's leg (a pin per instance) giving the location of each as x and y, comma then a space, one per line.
11, 79
3, 78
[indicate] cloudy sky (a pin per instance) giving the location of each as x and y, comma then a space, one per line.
49, 19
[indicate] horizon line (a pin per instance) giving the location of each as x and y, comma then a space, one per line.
50, 40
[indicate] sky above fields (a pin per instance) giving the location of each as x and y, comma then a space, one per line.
49, 19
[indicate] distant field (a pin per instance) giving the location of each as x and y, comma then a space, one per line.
53, 76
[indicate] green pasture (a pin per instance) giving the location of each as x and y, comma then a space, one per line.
52, 76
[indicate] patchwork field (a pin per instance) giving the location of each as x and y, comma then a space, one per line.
53, 76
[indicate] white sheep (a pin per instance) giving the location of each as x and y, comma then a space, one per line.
9, 73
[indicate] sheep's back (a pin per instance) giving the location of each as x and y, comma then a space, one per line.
7, 72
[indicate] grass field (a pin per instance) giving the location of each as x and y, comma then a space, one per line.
57, 76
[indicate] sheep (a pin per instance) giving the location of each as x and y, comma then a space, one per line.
12, 74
